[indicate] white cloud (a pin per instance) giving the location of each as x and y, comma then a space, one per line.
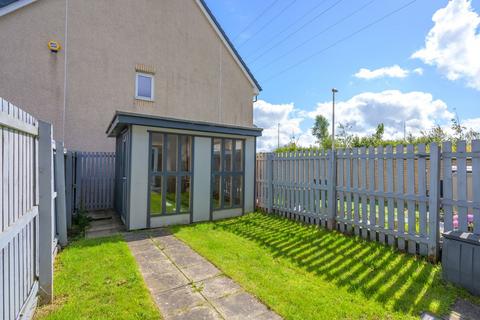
390, 72
365, 111
472, 123
268, 116
453, 44
418, 71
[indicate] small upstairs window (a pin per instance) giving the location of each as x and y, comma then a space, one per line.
144, 84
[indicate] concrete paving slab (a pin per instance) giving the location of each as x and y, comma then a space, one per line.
160, 282
180, 300
187, 286
198, 313
240, 305
218, 287
183, 257
200, 271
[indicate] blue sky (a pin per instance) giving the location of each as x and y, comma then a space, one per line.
421, 90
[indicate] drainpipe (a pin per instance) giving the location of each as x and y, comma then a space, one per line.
65, 73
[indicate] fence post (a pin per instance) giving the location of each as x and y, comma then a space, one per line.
332, 189
269, 182
61, 198
69, 187
45, 214
434, 202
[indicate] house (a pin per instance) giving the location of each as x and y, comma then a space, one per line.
180, 96
165, 58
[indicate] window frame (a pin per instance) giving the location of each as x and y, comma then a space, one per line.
165, 174
223, 174
152, 86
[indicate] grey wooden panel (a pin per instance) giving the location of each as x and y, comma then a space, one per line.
390, 189
476, 186
372, 214
381, 188
411, 203
340, 173
447, 188
348, 182
400, 203
355, 176
462, 185
422, 206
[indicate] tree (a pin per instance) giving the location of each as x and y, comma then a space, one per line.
320, 131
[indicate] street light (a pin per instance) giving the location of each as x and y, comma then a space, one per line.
333, 117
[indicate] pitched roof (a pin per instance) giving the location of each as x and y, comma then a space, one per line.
7, 6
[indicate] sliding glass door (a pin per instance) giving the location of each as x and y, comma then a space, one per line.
170, 174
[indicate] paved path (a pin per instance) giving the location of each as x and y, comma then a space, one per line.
185, 285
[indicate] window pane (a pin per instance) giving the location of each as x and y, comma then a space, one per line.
156, 196
238, 161
228, 154
171, 195
172, 152
217, 155
237, 190
216, 192
186, 153
227, 192
144, 86
157, 152
185, 194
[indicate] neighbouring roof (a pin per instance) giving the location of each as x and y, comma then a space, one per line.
7, 6
124, 119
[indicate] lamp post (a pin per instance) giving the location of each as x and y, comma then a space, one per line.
333, 117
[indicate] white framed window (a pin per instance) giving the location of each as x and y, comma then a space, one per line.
144, 86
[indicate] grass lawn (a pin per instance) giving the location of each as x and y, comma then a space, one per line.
303, 272
98, 279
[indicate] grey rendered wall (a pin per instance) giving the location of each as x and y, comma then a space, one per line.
195, 75
201, 179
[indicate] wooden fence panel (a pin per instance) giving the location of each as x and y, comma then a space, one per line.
461, 187
378, 194
95, 180
18, 210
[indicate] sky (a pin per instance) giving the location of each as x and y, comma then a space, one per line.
404, 63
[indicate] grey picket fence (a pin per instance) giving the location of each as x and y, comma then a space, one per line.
31, 216
93, 180
404, 196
